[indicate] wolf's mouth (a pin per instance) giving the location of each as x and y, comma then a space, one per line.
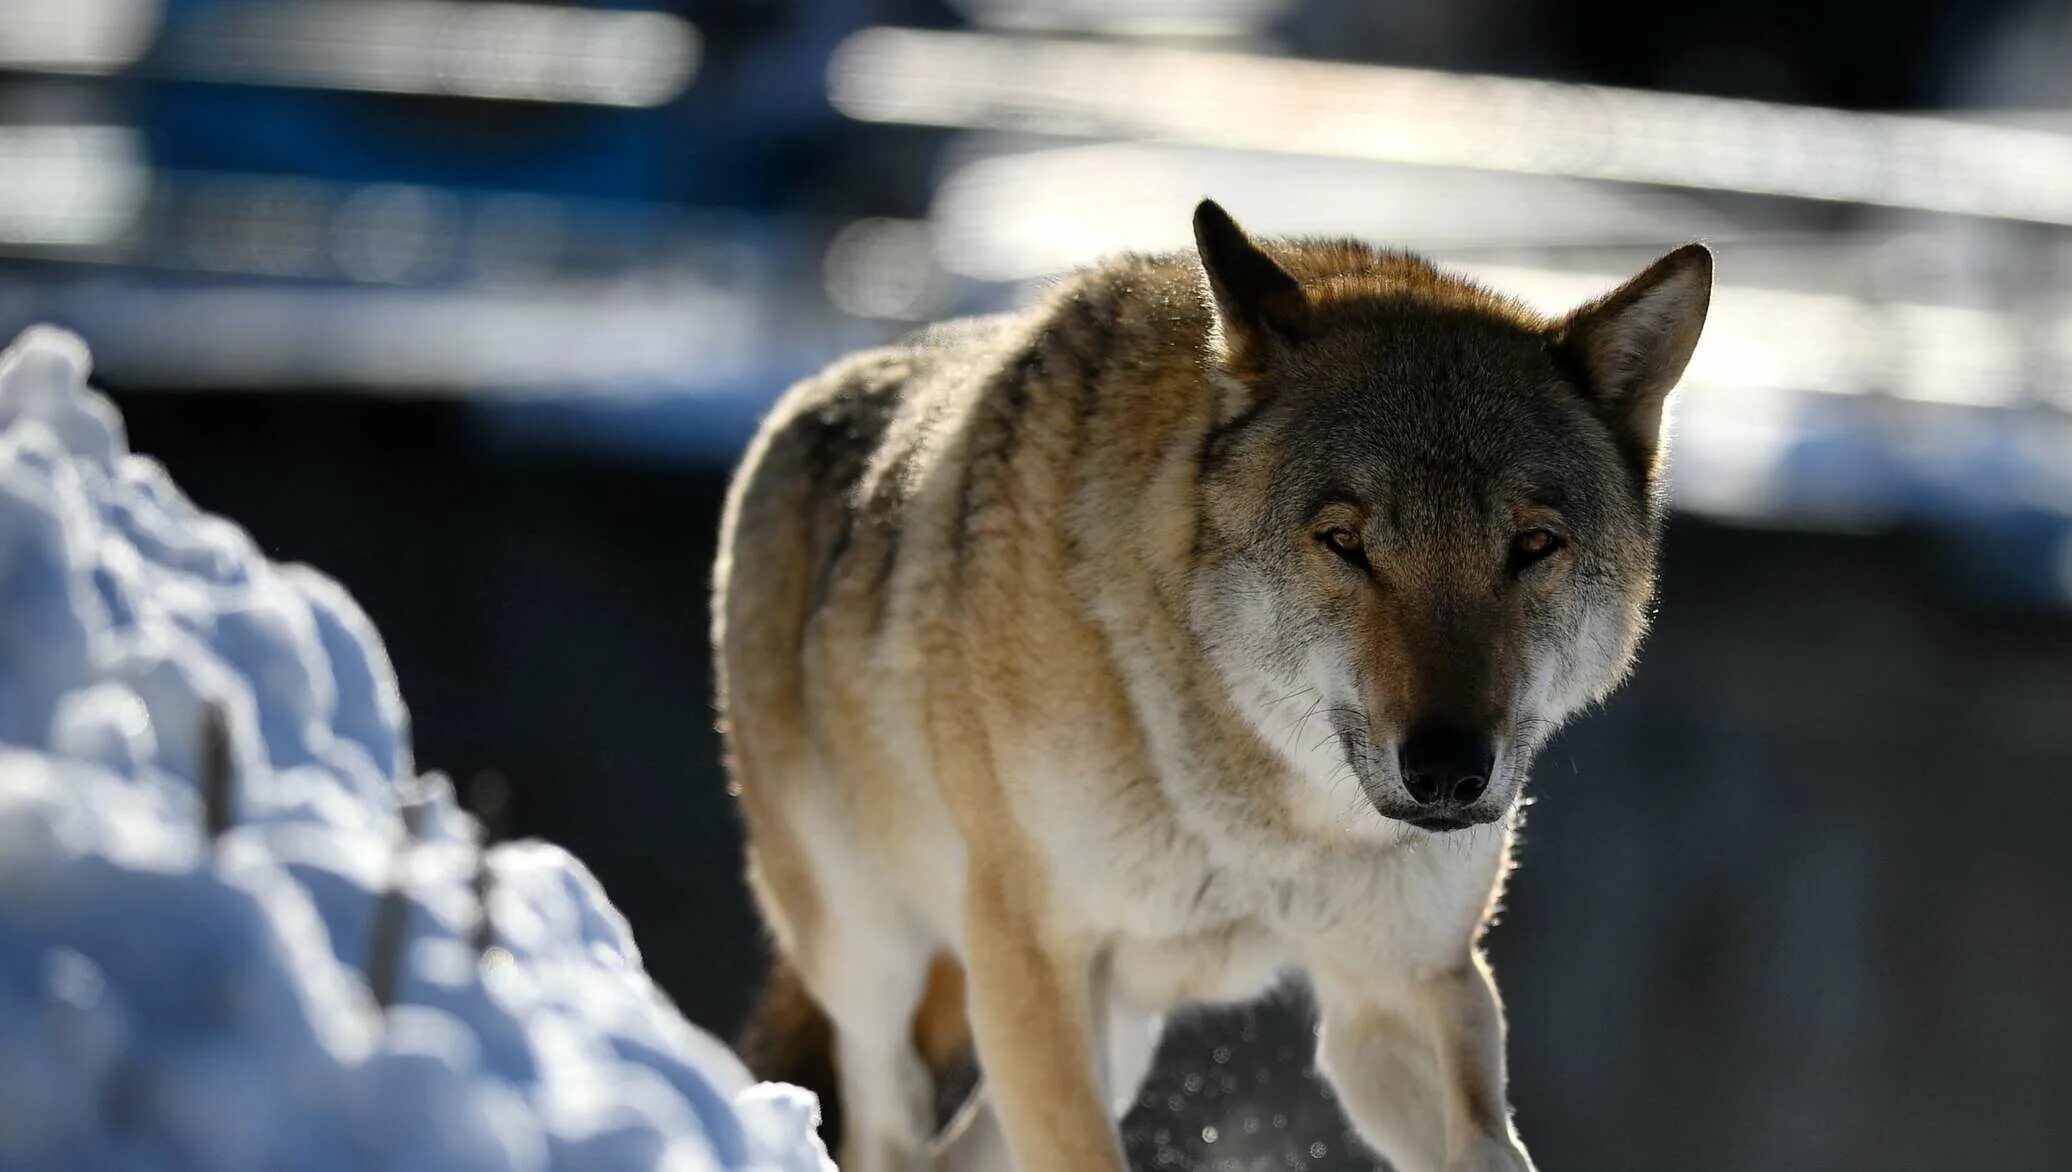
1439, 824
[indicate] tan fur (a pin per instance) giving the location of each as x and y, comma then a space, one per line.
976, 640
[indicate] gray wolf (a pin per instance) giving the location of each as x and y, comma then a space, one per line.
1196, 626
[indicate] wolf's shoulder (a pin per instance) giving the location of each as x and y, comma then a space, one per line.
958, 335
865, 428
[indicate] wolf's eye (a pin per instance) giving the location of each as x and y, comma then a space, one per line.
1534, 546
1345, 542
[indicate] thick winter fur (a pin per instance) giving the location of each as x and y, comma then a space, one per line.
1195, 626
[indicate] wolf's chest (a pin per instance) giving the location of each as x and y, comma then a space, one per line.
1190, 923
1209, 933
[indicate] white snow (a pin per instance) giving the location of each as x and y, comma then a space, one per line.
171, 999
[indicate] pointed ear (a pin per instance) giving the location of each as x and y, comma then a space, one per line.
1632, 344
1256, 299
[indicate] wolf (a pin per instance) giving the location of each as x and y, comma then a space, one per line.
1191, 629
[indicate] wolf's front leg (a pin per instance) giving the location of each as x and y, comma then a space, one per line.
1420, 1069
1032, 1014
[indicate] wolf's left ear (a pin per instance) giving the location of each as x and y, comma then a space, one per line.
1632, 344
1256, 299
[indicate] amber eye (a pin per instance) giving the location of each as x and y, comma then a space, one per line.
1345, 542
1533, 546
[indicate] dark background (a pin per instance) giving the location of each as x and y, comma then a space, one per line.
1794, 899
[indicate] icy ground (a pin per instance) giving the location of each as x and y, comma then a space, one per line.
236, 930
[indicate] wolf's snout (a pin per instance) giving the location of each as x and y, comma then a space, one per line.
1445, 768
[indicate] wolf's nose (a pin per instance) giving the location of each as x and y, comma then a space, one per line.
1445, 766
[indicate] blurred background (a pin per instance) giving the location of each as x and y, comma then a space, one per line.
473, 304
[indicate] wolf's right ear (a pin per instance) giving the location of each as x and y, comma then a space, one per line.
1256, 299
1632, 344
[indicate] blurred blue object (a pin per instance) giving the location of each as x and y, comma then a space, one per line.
627, 227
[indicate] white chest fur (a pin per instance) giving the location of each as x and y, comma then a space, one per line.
1187, 919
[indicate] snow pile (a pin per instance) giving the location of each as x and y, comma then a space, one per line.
217, 867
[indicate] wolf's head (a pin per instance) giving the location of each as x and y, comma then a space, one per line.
1429, 516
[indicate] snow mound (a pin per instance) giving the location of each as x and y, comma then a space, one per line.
236, 930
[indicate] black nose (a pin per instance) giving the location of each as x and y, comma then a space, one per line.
1445, 766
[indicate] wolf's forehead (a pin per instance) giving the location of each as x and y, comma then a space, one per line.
1411, 338
1439, 429
1437, 418
1421, 462
1413, 375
